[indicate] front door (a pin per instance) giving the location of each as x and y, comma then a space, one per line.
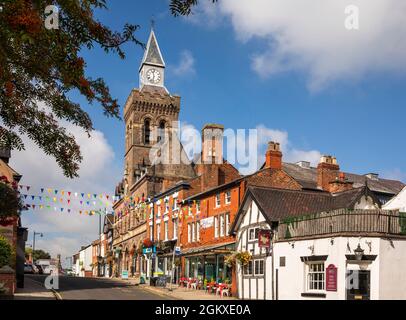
359, 285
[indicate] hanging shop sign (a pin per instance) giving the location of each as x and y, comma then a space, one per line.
264, 238
331, 278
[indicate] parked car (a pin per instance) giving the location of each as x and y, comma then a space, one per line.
28, 268
40, 270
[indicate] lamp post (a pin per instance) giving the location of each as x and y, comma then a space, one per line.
33, 244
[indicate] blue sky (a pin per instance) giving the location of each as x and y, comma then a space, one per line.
360, 122
292, 71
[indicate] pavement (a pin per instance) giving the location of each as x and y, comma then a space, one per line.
34, 290
181, 293
78, 288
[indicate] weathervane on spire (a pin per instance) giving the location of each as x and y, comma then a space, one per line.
152, 23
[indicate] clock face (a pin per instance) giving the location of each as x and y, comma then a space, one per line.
153, 76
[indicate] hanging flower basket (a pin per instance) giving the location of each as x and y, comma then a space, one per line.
231, 259
243, 257
147, 243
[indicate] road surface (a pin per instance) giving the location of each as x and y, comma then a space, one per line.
77, 288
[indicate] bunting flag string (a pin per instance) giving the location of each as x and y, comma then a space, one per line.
55, 192
68, 210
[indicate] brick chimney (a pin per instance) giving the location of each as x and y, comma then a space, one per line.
212, 144
327, 171
273, 156
340, 184
329, 177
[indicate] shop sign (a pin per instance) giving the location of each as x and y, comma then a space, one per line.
124, 274
331, 278
207, 223
149, 250
264, 238
177, 250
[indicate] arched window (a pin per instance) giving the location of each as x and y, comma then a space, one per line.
161, 131
147, 131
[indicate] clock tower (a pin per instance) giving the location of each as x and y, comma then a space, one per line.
152, 69
150, 114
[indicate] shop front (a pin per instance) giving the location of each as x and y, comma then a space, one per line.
208, 264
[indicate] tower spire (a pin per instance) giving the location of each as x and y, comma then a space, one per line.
153, 55
152, 67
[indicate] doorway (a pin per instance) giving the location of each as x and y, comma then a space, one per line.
360, 283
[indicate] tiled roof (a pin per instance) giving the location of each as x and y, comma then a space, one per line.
307, 177
277, 203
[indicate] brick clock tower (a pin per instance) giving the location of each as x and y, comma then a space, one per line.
149, 113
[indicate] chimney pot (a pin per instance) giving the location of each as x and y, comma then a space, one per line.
273, 156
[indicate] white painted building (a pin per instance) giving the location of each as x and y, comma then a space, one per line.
85, 261
315, 254
397, 203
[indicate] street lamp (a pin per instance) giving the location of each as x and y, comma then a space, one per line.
33, 244
358, 253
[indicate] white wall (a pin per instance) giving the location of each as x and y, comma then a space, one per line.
392, 262
291, 280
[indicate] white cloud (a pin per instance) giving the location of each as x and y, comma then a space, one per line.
247, 151
310, 36
290, 152
186, 65
65, 232
395, 174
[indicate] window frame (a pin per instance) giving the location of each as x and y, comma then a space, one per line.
259, 261
216, 227
256, 233
218, 200
227, 197
312, 283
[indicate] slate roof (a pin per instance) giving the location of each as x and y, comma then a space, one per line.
307, 177
152, 53
279, 203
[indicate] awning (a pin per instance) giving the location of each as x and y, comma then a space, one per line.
211, 249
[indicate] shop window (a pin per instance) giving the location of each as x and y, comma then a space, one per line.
228, 197
218, 200
248, 269
259, 267
315, 276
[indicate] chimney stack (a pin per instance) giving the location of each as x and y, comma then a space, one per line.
329, 177
273, 156
212, 144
